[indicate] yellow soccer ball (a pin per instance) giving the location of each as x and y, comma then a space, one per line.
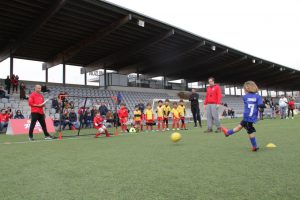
175, 137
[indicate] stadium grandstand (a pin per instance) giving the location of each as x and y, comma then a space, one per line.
124, 51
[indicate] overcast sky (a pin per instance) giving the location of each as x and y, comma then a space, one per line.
268, 29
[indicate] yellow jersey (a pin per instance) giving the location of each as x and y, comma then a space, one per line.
148, 114
160, 111
181, 109
167, 110
137, 115
175, 113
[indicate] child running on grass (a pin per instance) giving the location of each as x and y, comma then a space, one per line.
252, 102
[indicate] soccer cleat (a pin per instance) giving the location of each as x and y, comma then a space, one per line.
186, 129
178, 129
195, 125
173, 129
48, 138
255, 148
225, 130
107, 135
31, 139
167, 129
208, 131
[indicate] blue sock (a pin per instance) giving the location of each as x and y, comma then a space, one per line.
230, 132
253, 142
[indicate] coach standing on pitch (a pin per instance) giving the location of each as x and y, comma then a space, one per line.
211, 104
36, 102
194, 99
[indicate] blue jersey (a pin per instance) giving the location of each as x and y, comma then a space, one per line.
252, 102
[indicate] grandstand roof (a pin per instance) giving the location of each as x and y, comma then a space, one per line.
96, 34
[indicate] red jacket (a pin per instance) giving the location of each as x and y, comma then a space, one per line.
98, 122
291, 105
123, 113
36, 98
4, 117
213, 95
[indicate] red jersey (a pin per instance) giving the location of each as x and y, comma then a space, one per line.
123, 113
98, 122
36, 98
213, 95
4, 117
291, 105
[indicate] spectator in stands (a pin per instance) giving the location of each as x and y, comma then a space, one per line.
10, 112
23, 91
273, 107
261, 110
55, 104
194, 99
15, 82
56, 119
109, 117
73, 118
103, 109
283, 102
7, 84
66, 121
231, 113
3, 94
19, 115
141, 106
45, 89
88, 120
93, 112
4, 118
212, 102
291, 107
71, 105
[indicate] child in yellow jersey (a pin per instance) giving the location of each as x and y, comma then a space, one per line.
160, 115
149, 116
167, 110
176, 116
181, 109
137, 118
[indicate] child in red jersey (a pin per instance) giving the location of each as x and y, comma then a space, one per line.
98, 124
123, 116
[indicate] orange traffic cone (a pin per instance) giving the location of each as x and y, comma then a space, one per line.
116, 131
59, 135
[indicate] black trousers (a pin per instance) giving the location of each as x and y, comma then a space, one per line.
41, 119
196, 115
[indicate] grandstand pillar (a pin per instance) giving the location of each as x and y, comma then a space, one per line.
11, 66
85, 77
46, 75
292, 93
234, 90
105, 84
64, 73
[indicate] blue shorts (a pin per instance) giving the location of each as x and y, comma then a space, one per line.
248, 126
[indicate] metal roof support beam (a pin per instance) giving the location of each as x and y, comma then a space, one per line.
159, 61
125, 53
73, 50
223, 67
190, 64
30, 30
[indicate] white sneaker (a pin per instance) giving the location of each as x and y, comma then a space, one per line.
48, 138
167, 129
178, 129
292, 117
173, 129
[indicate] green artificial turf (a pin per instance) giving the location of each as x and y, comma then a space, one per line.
149, 166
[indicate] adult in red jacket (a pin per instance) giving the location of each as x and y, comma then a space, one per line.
291, 107
212, 102
36, 102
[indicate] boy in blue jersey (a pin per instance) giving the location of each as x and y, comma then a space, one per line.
252, 102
